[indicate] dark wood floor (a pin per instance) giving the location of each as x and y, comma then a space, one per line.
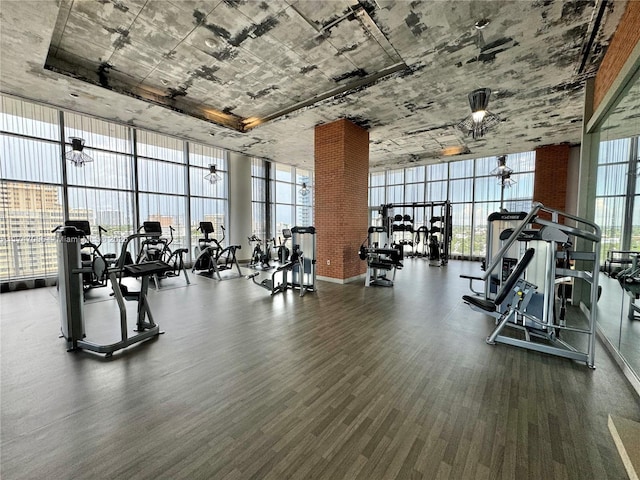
349, 382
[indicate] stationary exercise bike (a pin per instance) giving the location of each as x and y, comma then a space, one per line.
260, 258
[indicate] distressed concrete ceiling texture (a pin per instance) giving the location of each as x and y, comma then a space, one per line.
257, 76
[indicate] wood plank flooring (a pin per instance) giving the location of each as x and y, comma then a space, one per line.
348, 382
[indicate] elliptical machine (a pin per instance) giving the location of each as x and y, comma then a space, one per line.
213, 257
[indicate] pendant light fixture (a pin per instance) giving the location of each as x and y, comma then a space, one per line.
480, 119
76, 156
212, 177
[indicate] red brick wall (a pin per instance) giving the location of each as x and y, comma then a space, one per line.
624, 40
550, 184
341, 197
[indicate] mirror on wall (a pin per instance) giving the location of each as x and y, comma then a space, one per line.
617, 211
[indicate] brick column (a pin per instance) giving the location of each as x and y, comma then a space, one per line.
550, 184
341, 198
626, 37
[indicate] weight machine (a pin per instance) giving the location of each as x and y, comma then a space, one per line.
535, 318
212, 256
72, 322
299, 273
381, 258
437, 233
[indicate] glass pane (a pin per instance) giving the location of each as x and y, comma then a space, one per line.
283, 192
97, 133
27, 118
485, 165
155, 176
203, 156
414, 192
258, 168
436, 191
461, 190
207, 210
258, 190
612, 179
415, 174
609, 216
614, 151
395, 177
283, 217
30, 160
303, 176
27, 246
461, 228
480, 215
376, 179
283, 172
376, 196
108, 170
486, 189
438, 171
112, 210
395, 194
522, 162
304, 215
461, 169
523, 188
635, 228
304, 208
258, 219
169, 210
162, 147
518, 205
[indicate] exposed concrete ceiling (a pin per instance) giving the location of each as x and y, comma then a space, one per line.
257, 76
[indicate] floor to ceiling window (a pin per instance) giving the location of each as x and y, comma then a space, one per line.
259, 197
467, 184
291, 198
208, 197
133, 176
30, 189
616, 194
102, 191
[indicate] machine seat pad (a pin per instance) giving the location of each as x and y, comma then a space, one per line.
486, 305
381, 265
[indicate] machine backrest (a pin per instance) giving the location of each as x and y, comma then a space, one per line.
518, 270
82, 225
152, 228
206, 227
